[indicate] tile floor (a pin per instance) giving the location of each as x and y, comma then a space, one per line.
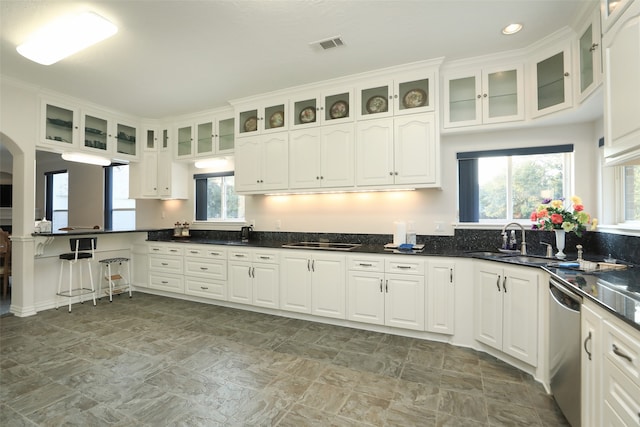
155, 361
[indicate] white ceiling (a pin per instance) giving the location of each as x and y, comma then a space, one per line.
172, 57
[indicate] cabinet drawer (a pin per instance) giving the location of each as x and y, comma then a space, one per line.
206, 288
621, 395
165, 249
622, 350
205, 268
364, 263
168, 264
404, 265
265, 256
166, 282
206, 251
239, 255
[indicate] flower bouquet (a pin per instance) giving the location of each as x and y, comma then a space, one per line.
553, 215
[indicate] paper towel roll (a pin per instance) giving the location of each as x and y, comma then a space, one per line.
400, 233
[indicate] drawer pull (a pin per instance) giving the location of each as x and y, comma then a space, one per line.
619, 353
362, 264
204, 288
404, 267
195, 252
173, 250
239, 255
586, 340
155, 249
164, 282
164, 263
204, 268
265, 257
214, 253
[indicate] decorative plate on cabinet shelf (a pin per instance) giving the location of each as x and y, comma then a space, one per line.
377, 104
308, 115
339, 109
277, 119
251, 124
414, 98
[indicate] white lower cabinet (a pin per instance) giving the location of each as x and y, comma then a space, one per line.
205, 271
506, 310
440, 301
610, 369
386, 291
313, 283
165, 267
254, 276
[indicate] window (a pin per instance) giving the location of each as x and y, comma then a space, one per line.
631, 194
119, 209
216, 198
56, 204
507, 185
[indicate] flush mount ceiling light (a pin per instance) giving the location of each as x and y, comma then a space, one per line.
86, 158
216, 162
65, 37
511, 29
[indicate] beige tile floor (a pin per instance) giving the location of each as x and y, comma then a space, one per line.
155, 361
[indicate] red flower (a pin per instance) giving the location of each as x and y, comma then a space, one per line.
534, 216
578, 208
556, 218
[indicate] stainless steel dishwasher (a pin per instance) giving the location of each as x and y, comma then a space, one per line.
564, 349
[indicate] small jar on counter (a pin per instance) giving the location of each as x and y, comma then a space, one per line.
185, 229
177, 229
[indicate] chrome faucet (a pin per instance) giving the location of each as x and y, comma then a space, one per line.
523, 245
549, 250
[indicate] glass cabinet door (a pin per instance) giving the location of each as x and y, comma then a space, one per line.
95, 132
226, 135
185, 139
414, 96
589, 54
165, 139
375, 101
611, 11
150, 140
204, 138
304, 112
275, 117
553, 86
248, 122
126, 139
336, 107
502, 97
462, 100
59, 124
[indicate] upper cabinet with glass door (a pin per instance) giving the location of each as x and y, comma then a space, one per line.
208, 135
59, 124
125, 134
404, 94
332, 106
552, 85
589, 57
486, 96
265, 117
610, 11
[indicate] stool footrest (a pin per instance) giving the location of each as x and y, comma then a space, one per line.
75, 292
113, 277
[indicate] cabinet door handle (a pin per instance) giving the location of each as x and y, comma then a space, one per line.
386, 286
593, 47
249, 271
586, 340
566, 74
498, 283
619, 353
313, 265
504, 284
380, 285
484, 95
451, 275
308, 265
479, 96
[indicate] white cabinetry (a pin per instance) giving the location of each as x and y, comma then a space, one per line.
254, 276
591, 365
158, 177
262, 163
207, 135
331, 106
440, 301
322, 157
386, 291
490, 95
506, 310
401, 150
552, 84
622, 89
262, 117
166, 267
205, 271
589, 57
313, 283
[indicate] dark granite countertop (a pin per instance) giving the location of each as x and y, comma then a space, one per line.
87, 231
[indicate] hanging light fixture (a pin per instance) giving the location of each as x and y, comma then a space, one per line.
86, 158
65, 37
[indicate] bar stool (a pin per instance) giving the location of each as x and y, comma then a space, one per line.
111, 276
83, 253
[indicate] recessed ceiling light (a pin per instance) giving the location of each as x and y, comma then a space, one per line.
511, 29
65, 37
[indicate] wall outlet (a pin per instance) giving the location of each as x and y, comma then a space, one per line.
439, 227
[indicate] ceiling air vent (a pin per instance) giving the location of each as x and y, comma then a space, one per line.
329, 43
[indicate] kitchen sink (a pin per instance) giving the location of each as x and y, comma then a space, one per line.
322, 245
526, 259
